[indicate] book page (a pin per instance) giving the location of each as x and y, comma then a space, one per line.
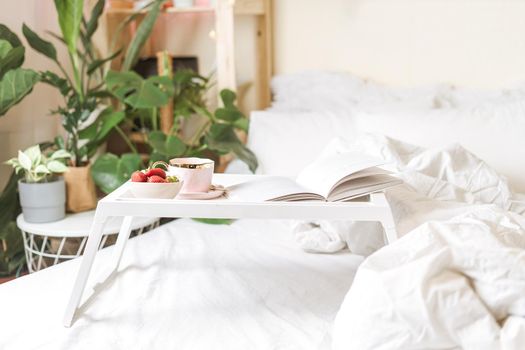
362, 186
325, 173
270, 188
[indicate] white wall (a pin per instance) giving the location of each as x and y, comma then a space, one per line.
400, 42
404, 42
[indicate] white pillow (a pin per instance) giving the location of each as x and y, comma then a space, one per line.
494, 132
285, 143
315, 91
337, 91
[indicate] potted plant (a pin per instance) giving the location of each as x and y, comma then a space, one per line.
216, 136
87, 116
42, 190
16, 82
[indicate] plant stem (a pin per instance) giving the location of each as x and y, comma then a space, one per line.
154, 119
126, 139
78, 81
199, 133
64, 72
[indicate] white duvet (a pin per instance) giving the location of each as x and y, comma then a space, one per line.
456, 279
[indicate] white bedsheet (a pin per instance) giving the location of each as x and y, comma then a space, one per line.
188, 286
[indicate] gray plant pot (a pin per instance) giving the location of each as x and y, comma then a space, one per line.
43, 202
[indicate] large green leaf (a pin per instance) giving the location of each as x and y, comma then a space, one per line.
228, 97
14, 86
222, 138
229, 112
96, 12
110, 171
166, 146
98, 63
12, 60
137, 92
99, 130
7, 34
142, 34
38, 44
52, 79
5, 47
69, 18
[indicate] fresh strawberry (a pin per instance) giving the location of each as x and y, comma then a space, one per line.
156, 179
139, 176
156, 172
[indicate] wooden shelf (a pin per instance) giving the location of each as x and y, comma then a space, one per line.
224, 14
241, 7
168, 10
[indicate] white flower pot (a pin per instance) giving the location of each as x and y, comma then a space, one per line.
43, 202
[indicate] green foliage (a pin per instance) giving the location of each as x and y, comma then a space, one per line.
137, 92
110, 171
96, 64
91, 26
13, 59
218, 134
189, 90
12, 256
214, 221
14, 86
223, 139
69, 18
166, 145
98, 131
85, 91
39, 167
142, 34
38, 44
7, 34
15, 82
11, 244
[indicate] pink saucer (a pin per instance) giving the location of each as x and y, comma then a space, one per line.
214, 192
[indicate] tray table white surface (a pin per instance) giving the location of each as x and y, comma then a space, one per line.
116, 204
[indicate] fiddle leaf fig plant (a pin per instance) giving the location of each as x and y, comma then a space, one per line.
15, 82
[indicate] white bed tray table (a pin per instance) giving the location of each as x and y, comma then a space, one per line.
117, 205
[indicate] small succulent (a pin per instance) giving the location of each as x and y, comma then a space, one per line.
38, 167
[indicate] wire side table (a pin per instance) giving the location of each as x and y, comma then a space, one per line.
47, 244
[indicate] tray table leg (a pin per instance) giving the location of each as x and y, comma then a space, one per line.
123, 236
389, 226
95, 236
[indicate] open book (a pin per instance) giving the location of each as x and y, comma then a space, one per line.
340, 177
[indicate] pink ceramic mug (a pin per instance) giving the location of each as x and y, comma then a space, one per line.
195, 172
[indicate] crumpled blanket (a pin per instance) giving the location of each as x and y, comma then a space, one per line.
456, 279
439, 184
455, 284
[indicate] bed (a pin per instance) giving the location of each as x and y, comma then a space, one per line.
252, 284
189, 285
